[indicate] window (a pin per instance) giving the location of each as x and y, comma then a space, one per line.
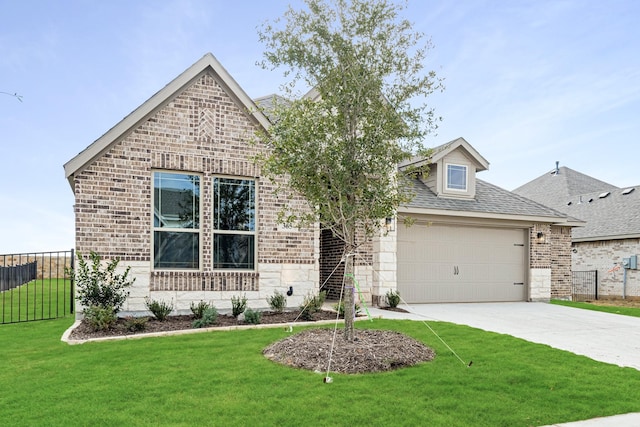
176, 221
456, 177
234, 223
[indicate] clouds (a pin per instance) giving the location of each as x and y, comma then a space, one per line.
527, 83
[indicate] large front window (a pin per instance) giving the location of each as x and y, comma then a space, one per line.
234, 223
176, 221
456, 177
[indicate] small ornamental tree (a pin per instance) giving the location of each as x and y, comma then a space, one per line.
99, 285
341, 143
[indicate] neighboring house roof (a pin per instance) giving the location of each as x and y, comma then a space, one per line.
615, 215
267, 104
490, 201
207, 64
555, 188
609, 212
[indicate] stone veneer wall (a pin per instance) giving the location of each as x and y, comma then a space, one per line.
550, 263
201, 131
606, 257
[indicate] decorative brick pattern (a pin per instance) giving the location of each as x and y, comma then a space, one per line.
203, 281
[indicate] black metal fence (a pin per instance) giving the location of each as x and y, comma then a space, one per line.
584, 285
36, 286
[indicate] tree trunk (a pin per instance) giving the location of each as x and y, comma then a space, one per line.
349, 294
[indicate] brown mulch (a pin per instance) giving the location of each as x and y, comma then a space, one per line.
371, 351
177, 323
634, 303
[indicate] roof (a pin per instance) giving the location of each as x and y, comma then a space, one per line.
207, 64
441, 151
490, 201
609, 212
556, 187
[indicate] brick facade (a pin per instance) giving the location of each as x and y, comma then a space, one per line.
605, 256
201, 131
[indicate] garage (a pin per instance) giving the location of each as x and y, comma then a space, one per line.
456, 263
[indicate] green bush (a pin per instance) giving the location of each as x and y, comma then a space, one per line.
393, 298
99, 286
277, 302
253, 317
136, 324
199, 309
159, 309
209, 317
238, 305
339, 307
312, 304
100, 318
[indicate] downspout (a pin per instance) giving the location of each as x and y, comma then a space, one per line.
624, 283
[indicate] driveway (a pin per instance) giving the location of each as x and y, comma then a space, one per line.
604, 337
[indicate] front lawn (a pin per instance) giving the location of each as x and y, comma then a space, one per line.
36, 300
222, 379
612, 308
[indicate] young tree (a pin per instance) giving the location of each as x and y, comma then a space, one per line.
341, 143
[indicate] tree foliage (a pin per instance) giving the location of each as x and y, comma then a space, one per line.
366, 111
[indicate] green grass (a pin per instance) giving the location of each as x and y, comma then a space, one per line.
37, 300
222, 379
626, 311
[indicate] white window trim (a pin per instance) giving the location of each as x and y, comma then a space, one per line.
199, 230
253, 233
466, 176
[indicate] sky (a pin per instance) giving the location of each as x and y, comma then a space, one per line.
527, 83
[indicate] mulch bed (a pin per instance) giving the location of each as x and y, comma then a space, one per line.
371, 351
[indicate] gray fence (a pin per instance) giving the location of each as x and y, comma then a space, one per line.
17, 275
36, 286
584, 285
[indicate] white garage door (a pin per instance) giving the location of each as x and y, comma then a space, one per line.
445, 263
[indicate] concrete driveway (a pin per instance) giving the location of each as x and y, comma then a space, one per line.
604, 337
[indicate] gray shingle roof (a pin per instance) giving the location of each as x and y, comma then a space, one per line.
615, 216
554, 190
489, 199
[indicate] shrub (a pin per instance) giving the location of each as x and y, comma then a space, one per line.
393, 298
199, 309
238, 305
159, 309
99, 286
252, 316
100, 318
209, 317
277, 302
312, 304
339, 307
136, 324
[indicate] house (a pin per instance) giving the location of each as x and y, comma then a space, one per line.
173, 191
611, 232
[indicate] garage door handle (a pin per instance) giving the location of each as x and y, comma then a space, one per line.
518, 283
456, 271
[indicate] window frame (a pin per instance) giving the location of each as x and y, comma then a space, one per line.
215, 231
198, 231
448, 186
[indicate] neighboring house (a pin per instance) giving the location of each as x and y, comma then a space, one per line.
611, 231
174, 192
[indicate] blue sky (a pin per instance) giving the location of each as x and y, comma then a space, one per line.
527, 83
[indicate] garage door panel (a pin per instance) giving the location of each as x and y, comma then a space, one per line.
441, 263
